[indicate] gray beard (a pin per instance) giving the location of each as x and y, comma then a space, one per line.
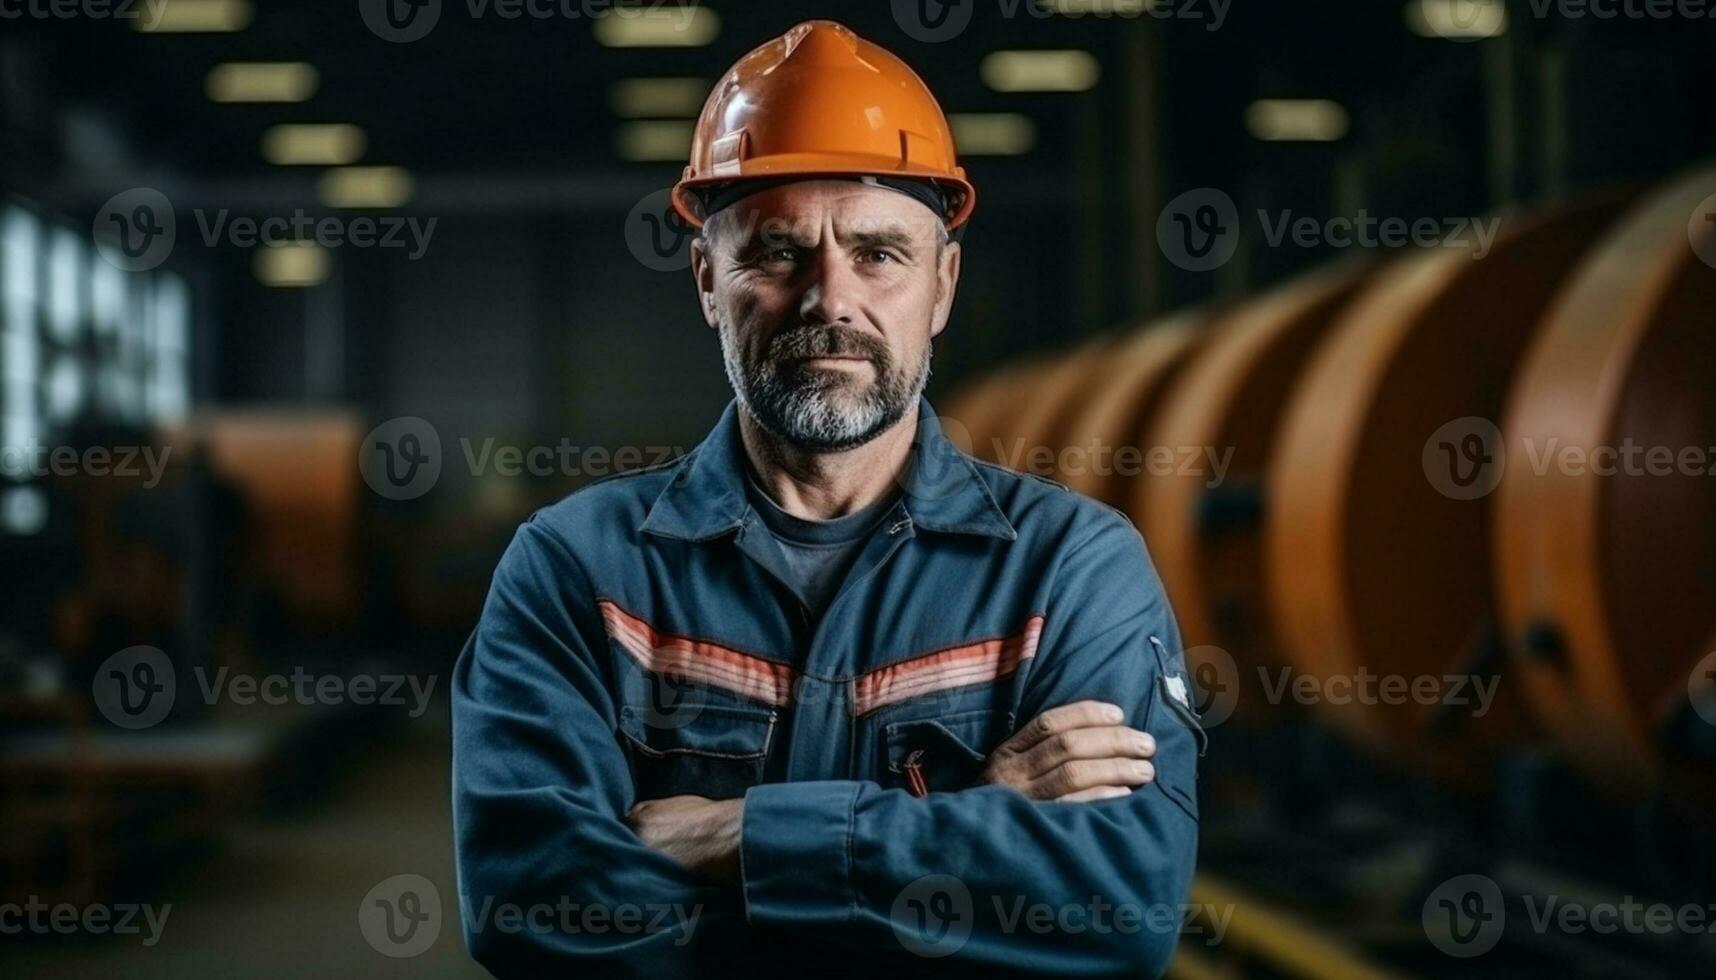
810, 409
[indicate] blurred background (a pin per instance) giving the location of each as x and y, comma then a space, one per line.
1387, 321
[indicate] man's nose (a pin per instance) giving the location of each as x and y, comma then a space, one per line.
832, 295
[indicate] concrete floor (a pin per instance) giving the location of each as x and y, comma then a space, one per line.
281, 898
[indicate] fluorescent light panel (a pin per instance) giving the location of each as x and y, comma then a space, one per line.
366, 187
262, 81
644, 98
992, 133
654, 140
1296, 120
192, 16
1457, 20
664, 27
291, 264
1065, 70
313, 144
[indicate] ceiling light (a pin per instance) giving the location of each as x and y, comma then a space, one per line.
1457, 20
1296, 120
291, 264
261, 81
313, 144
992, 133
1069, 70
366, 187
193, 16
654, 139
634, 98
675, 27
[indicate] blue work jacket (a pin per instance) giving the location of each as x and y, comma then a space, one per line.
636, 645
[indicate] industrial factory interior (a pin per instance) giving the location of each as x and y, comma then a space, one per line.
1389, 326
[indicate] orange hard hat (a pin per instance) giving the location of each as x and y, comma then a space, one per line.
820, 101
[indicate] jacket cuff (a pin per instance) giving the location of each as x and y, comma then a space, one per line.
795, 853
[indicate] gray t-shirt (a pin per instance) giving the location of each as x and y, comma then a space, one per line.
814, 556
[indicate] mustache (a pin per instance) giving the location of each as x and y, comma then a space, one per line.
824, 340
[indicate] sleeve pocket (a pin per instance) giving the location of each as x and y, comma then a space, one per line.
1173, 688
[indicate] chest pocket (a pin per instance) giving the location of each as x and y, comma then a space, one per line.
932, 755
716, 751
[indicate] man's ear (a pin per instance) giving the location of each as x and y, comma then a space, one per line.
703, 274
946, 283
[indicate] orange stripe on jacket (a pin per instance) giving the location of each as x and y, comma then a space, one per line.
984, 662
684, 658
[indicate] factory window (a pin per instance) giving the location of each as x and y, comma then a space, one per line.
79, 339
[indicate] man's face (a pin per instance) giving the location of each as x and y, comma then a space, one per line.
826, 294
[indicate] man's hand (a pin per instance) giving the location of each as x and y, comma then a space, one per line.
1074, 753
700, 833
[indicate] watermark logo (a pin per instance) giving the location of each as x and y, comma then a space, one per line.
1464, 458
135, 688
135, 230
64, 919
1215, 684
933, 21
33, 459
1199, 230
401, 917
933, 915
400, 459
400, 21
656, 236
1701, 688
1701, 231
938, 467
1464, 916
1459, 20
568, 917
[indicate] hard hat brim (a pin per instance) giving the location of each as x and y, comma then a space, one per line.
811, 166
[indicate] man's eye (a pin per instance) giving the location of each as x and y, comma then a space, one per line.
780, 255
878, 256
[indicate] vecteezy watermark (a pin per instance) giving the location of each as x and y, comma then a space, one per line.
1701, 231
1098, 458
401, 459
137, 229
65, 919
146, 12
656, 236
933, 917
567, 916
1466, 916
1701, 688
1624, 9
1465, 458
1217, 687
404, 21
1200, 230
138, 686
933, 21
401, 916
1476, 691
33, 459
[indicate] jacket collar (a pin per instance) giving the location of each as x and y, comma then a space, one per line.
944, 491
